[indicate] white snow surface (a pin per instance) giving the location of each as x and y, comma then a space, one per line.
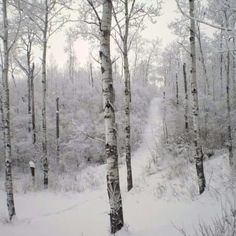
161, 200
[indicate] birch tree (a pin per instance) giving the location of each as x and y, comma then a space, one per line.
129, 15
58, 129
195, 105
72, 60
226, 17
186, 97
25, 62
228, 62
177, 88
33, 103
113, 185
102, 19
7, 46
49, 17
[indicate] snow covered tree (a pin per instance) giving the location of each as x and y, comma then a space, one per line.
113, 185
49, 17
25, 62
195, 105
7, 46
58, 129
129, 16
186, 97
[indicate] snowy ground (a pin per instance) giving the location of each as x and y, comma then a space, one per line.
160, 201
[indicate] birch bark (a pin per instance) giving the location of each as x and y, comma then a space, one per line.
58, 130
29, 87
33, 105
44, 86
113, 185
127, 100
228, 64
234, 69
221, 63
229, 130
6, 115
195, 105
186, 97
165, 129
177, 89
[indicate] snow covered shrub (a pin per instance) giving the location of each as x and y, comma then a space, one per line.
89, 178
160, 190
221, 225
177, 169
81, 124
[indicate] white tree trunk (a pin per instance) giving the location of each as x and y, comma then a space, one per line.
58, 130
6, 115
229, 130
127, 101
228, 63
113, 185
1, 112
195, 105
221, 64
206, 86
234, 70
44, 110
177, 89
33, 104
29, 93
186, 97
165, 129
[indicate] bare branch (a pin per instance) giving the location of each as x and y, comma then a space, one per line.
201, 21
95, 11
91, 137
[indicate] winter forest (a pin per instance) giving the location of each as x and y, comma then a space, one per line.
118, 117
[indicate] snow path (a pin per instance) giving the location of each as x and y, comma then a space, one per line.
86, 214
141, 157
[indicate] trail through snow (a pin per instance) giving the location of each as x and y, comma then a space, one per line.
86, 214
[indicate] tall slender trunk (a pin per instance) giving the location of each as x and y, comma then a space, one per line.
186, 97
44, 111
91, 74
6, 115
72, 68
1, 113
29, 91
195, 106
135, 61
58, 129
127, 100
33, 105
234, 69
228, 62
165, 129
113, 183
177, 89
229, 130
221, 63
213, 84
207, 84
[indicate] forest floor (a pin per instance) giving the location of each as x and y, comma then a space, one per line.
163, 202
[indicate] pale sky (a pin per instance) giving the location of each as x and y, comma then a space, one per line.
160, 30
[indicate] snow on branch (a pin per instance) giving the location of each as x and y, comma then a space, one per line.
201, 21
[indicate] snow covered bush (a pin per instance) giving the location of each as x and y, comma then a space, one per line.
81, 124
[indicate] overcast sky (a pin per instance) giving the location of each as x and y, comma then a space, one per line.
160, 30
